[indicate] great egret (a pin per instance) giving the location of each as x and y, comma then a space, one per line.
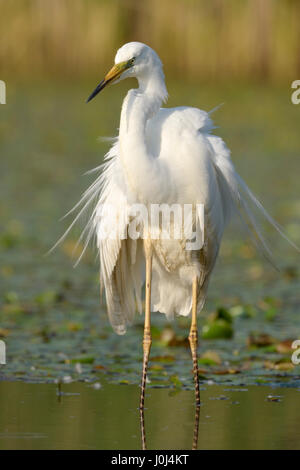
162, 156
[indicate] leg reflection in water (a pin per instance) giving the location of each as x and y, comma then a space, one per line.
195, 435
196, 427
143, 433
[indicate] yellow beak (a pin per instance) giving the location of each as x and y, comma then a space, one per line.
110, 77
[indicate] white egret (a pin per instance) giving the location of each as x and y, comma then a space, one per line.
162, 156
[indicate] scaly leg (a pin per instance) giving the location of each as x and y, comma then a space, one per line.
193, 339
147, 340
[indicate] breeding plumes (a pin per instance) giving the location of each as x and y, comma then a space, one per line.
170, 157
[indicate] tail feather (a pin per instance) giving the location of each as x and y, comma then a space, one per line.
238, 199
267, 216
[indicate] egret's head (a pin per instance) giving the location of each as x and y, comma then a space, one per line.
134, 59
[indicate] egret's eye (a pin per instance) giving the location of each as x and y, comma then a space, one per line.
131, 61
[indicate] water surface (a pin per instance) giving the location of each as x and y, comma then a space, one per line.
35, 417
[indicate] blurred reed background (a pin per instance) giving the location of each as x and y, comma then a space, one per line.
208, 40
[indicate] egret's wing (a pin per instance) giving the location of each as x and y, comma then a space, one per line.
237, 198
121, 258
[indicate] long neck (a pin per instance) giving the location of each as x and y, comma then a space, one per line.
139, 106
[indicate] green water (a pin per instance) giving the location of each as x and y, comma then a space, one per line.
35, 417
51, 319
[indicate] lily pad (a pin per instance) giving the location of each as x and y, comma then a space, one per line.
217, 329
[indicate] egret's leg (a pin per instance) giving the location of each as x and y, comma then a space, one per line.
193, 339
147, 340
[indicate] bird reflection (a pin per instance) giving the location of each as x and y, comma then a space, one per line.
59, 392
195, 434
143, 432
196, 427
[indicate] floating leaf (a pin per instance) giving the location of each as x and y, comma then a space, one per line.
284, 366
229, 370
4, 332
11, 297
46, 298
217, 329
169, 338
14, 308
245, 311
271, 313
74, 326
155, 332
167, 335
82, 360
260, 339
206, 361
156, 367
166, 358
176, 381
210, 358
284, 347
223, 314
99, 367
124, 382
269, 305
291, 272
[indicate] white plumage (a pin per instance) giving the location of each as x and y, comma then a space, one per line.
161, 156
